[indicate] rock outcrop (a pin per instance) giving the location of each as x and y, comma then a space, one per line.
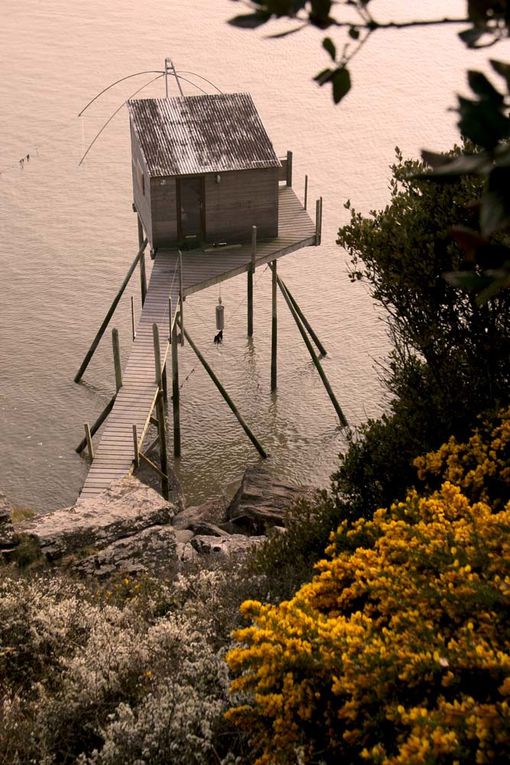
124, 509
153, 550
261, 501
130, 529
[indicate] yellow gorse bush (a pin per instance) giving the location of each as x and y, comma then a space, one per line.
398, 651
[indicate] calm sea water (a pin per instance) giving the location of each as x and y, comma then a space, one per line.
68, 233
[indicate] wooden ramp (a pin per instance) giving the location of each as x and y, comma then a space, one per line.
135, 400
201, 268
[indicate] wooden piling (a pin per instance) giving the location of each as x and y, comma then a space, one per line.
164, 388
317, 364
303, 318
318, 222
306, 193
163, 456
133, 317
225, 395
95, 427
170, 319
143, 276
157, 354
289, 168
136, 449
251, 273
274, 325
88, 438
116, 359
176, 393
109, 315
181, 296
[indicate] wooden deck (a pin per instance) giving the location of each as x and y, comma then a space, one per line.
201, 269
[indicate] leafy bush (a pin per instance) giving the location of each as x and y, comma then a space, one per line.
451, 357
129, 674
397, 652
286, 560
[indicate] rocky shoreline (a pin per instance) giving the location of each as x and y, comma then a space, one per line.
129, 529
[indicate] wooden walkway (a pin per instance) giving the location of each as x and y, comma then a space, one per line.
201, 268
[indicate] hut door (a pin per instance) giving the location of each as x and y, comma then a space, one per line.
190, 207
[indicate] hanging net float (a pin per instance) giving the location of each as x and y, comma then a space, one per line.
220, 322
220, 316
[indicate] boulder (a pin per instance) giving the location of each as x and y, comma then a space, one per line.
261, 502
209, 529
7, 533
151, 551
212, 511
125, 508
230, 545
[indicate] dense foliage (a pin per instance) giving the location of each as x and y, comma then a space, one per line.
129, 673
398, 651
451, 357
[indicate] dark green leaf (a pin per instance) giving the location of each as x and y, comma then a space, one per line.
329, 46
480, 85
495, 203
503, 70
321, 9
324, 76
465, 164
471, 36
250, 20
341, 84
280, 35
482, 122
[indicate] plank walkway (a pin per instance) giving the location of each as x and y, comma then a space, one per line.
136, 399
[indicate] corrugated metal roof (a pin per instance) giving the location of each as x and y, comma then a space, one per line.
201, 134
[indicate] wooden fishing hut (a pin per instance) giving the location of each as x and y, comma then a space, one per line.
204, 170
213, 201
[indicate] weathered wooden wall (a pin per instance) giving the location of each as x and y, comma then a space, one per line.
142, 201
164, 211
240, 200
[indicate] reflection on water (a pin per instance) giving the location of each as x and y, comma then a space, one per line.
68, 233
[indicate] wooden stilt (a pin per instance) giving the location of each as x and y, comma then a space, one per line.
274, 325
164, 388
109, 315
157, 354
251, 273
289, 168
170, 308
176, 393
306, 192
303, 318
133, 317
225, 395
143, 277
136, 459
163, 456
317, 364
116, 359
88, 438
181, 296
318, 221
95, 427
